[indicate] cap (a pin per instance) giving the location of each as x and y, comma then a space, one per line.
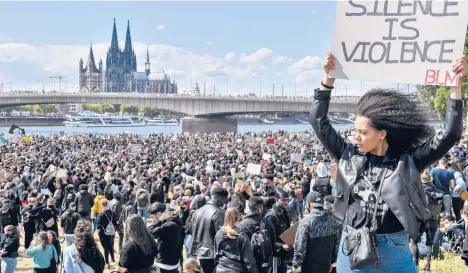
315, 199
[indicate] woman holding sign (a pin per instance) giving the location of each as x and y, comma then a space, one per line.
378, 189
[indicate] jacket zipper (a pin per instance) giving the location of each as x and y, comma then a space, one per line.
409, 200
348, 165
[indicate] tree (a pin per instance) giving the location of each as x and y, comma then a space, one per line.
96, 108
149, 111
130, 109
49, 108
440, 100
117, 108
436, 96
108, 108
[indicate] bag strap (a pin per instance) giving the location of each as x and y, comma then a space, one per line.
374, 216
379, 191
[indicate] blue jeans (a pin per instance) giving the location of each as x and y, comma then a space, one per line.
393, 252
301, 208
143, 213
9, 265
188, 244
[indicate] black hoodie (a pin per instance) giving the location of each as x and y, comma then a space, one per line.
84, 201
169, 235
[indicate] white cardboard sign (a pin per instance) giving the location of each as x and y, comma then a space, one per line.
399, 41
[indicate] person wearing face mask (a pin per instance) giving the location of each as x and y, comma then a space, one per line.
278, 215
167, 230
48, 217
268, 191
205, 223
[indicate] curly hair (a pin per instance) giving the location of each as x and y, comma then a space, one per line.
400, 115
84, 241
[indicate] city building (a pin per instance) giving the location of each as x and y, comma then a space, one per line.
121, 73
74, 108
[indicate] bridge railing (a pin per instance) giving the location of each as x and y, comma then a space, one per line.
16, 94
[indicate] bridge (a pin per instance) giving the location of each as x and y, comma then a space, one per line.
207, 112
196, 106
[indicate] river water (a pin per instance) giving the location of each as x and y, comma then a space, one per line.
146, 130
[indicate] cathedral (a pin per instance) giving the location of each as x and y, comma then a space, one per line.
121, 74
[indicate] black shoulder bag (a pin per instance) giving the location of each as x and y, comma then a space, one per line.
361, 242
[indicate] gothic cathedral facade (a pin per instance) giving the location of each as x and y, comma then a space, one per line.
121, 74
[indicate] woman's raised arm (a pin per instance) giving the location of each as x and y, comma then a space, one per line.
332, 141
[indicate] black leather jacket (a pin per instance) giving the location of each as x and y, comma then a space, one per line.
206, 222
402, 190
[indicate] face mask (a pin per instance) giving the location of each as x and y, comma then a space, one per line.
267, 188
447, 225
49, 206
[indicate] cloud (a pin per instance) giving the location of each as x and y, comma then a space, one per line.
209, 43
230, 57
160, 27
5, 39
258, 56
306, 63
281, 59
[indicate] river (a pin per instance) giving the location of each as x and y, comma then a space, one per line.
146, 130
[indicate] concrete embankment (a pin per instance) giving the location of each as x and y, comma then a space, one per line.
31, 121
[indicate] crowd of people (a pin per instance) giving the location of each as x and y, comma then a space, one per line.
315, 201
182, 198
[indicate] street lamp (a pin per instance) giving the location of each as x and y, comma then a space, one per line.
227, 84
307, 84
261, 84
217, 84
253, 84
191, 82
295, 87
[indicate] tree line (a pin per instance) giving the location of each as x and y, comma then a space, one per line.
436, 96
97, 108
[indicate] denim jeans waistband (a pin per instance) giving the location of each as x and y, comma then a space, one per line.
385, 237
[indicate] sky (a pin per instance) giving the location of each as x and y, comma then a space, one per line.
230, 47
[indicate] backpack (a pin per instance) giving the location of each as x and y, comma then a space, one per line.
262, 247
110, 229
142, 199
322, 186
434, 201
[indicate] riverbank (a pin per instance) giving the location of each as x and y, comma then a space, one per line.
58, 121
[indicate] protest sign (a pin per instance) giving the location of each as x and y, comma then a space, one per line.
254, 168
399, 41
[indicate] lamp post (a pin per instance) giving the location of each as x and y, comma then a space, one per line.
227, 84
261, 84
217, 84
253, 84
307, 85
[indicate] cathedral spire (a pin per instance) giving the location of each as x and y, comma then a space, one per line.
115, 41
147, 54
128, 39
91, 63
147, 64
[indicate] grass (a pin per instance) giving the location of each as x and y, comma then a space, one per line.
451, 264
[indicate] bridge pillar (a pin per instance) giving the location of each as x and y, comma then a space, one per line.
208, 125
